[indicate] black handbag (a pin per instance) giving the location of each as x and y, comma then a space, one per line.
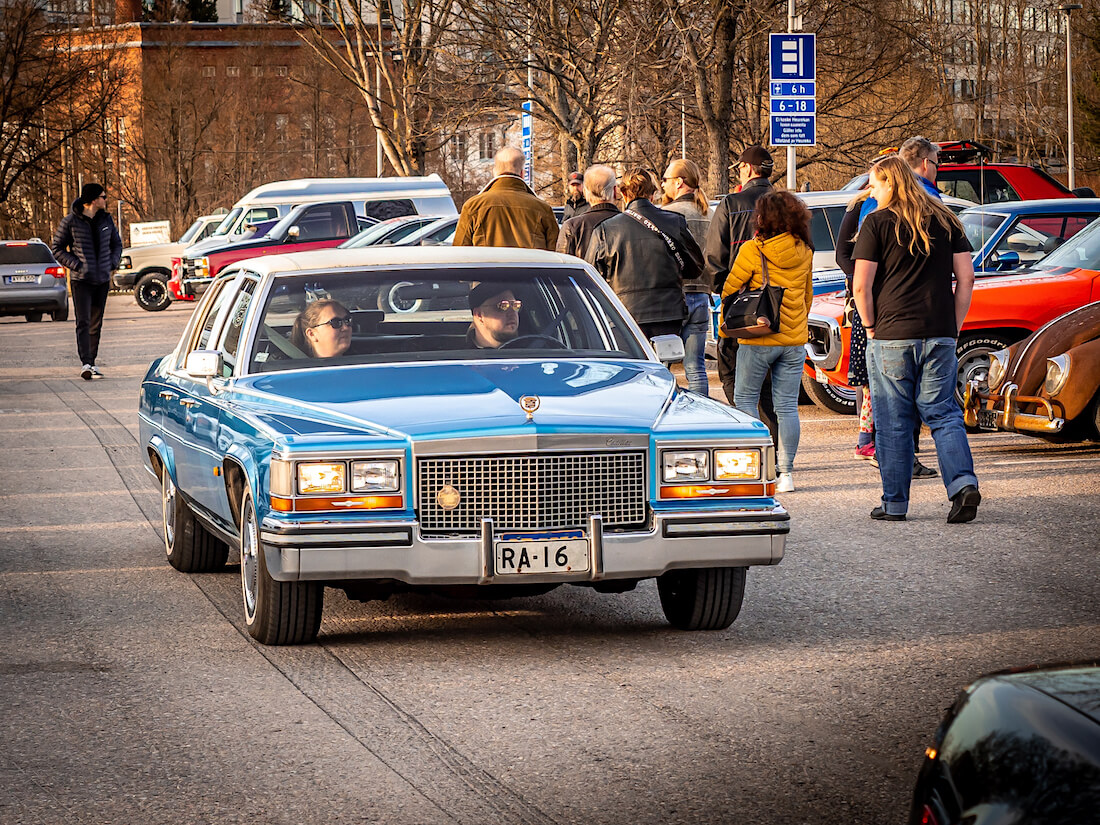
743, 310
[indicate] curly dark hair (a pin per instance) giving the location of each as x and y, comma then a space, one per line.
780, 211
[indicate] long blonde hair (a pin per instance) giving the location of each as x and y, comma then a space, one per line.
913, 206
689, 171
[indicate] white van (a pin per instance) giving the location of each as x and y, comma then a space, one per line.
377, 198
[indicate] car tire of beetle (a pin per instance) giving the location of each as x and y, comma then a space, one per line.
829, 396
33, 317
60, 314
705, 599
1094, 409
151, 292
973, 352
276, 613
190, 547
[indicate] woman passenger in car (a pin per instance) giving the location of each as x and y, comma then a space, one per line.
322, 329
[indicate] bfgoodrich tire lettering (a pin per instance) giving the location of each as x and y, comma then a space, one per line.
705, 599
973, 352
190, 548
276, 613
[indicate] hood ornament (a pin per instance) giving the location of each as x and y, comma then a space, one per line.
529, 403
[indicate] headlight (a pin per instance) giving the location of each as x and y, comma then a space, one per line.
998, 368
736, 464
202, 267
374, 476
685, 466
321, 477
124, 262
1057, 373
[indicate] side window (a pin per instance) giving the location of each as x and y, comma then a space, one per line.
207, 230
819, 231
234, 326
997, 189
205, 327
961, 183
258, 214
1034, 237
382, 210
324, 222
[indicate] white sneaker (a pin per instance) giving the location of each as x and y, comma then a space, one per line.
96, 372
784, 484
86, 372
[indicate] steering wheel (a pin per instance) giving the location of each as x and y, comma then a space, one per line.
548, 340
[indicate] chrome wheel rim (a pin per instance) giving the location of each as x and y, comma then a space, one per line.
249, 560
168, 509
974, 366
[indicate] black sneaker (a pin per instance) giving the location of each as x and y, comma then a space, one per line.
878, 514
964, 505
97, 374
920, 471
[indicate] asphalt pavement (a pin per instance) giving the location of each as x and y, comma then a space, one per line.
132, 692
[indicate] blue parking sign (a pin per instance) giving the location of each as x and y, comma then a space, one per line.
793, 57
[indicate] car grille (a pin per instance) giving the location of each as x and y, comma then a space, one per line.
533, 492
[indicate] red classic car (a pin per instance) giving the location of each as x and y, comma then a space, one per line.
1005, 309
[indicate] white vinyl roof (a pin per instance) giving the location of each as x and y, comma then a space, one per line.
388, 256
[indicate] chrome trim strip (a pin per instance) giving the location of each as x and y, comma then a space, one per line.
376, 538
595, 547
485, 575
530, 443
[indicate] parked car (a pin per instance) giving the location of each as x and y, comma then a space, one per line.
1005, 309
147, 269
417, 460
306, 227
390, 230
966, 171
31, 281
1019, 234
1017, 747
441, 231
1046, 385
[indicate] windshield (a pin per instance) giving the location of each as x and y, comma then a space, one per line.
392, 229
191, 232
228, 221
408, 315
979, 226
1082, 250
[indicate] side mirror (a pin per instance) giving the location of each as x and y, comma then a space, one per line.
293, 233
1005, 260
669, 348
204, 363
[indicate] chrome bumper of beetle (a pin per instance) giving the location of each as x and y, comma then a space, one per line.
1001, 411
395, 550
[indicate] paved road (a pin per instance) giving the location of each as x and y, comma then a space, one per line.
133, 694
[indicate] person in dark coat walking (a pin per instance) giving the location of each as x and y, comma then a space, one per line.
600, 190
575, 202
730, 227
88, 245
646, 254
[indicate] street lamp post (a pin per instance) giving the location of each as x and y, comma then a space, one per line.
1069, 8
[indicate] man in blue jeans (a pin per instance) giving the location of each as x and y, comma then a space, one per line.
912, 317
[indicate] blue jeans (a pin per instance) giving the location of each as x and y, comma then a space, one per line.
694, 334
914, 379
785, 363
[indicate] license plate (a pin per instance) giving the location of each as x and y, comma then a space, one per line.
987, 419
559, 552
822, 378
20, 279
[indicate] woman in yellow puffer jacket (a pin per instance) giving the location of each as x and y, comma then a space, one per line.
782, 225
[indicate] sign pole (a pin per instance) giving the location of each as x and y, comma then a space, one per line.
791, 27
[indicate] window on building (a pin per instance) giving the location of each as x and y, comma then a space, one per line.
460, 148
257, 71
208, 71
232, 71
280, 71
487, 145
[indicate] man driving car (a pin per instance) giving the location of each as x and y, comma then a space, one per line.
496, 316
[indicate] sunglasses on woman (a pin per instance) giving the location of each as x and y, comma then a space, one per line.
336, 323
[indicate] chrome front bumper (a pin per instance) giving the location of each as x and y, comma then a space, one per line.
333, 551
1002, 411
825, 345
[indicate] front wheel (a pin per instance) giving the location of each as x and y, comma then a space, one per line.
973, 352
151, 292
705, 599
60, 314
276, 613
33, 317
830, 396
189, 546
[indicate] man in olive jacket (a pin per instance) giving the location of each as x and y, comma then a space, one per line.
506, 212
88, 245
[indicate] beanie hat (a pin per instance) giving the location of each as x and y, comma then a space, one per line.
90, 191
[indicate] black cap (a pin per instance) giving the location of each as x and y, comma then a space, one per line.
486, 290
755, 156
90, 191
575, 177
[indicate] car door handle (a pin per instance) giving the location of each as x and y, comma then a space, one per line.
167, 396
188, 402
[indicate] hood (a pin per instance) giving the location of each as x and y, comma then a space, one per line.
1027, 367
433, 401
785, 251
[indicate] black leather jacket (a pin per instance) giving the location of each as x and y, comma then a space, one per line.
639, 265
730, 227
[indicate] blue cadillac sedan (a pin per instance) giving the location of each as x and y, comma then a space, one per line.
488, 422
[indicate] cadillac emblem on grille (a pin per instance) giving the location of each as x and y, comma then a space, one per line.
448, 497
529, 403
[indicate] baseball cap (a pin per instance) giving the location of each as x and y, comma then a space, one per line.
755, 156
576, 177
486, 290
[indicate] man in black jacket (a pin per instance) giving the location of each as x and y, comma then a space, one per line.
600, 190
730, 227
575, 201
88, 245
